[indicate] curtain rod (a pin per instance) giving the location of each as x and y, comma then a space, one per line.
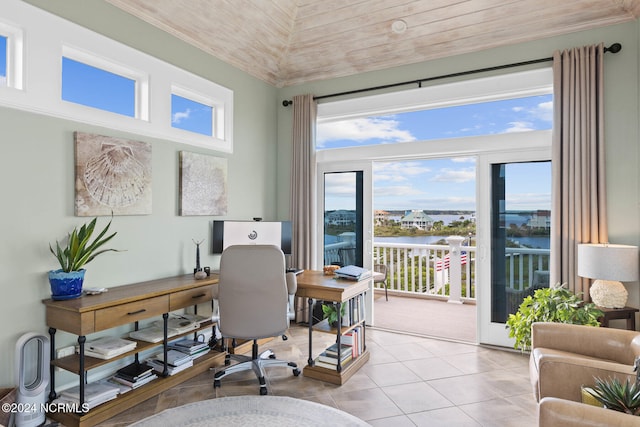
614, 48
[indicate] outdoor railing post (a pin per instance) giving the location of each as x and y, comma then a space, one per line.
455, 269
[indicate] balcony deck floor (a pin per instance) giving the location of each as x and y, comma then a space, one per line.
425, 317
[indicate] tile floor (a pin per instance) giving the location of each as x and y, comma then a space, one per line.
408, 381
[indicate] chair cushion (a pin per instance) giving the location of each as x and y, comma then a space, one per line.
378, 277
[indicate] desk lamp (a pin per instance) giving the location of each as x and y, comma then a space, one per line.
609, 264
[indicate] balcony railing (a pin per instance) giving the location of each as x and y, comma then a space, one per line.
447, 271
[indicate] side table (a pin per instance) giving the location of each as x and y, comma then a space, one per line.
628, 313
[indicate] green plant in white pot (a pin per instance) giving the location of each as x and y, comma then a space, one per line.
66, 282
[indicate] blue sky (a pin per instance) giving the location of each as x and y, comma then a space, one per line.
449, 183
3, 60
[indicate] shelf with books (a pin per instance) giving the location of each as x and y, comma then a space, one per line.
71, 363
350, 294
121, 306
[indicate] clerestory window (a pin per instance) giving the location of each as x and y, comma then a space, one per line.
98, 88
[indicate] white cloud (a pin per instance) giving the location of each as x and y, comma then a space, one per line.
543, 111
521, 126
362, 129
401, 168
455, 175
396, 191
181, 115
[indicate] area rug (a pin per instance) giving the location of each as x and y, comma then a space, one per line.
261, 411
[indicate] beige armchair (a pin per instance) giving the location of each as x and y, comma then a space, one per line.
553, 412
565, 357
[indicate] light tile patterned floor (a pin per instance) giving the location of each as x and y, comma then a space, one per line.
409, 381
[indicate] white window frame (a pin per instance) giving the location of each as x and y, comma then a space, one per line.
141, 79
525, 146
47, 38
217, 109
15, 54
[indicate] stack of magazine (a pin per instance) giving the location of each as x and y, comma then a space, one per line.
94, 394
193, 348
353, 272
176, 361
107, 347
176, 324
135, 374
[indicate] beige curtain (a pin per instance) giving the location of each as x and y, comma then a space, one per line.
303, 195
579, 202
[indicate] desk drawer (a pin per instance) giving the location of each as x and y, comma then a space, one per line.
190, 297
123, 314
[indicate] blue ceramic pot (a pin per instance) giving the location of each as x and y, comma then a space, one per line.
66, 285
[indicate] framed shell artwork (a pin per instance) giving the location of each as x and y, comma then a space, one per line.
112, 175
203, 184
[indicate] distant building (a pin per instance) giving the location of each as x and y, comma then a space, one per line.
341, 217
540, 219
417, 219
380, 217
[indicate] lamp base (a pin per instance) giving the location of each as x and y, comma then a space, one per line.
608, 294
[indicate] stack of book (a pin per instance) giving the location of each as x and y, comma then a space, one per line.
329, 357
355, 340
94, 394
176, 361
193, 348
107, 347
353, 272
135, 374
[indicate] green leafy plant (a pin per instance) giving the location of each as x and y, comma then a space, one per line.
80, 249
621, 397
330, 312
554, 304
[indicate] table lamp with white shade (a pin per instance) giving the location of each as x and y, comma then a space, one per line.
609, 265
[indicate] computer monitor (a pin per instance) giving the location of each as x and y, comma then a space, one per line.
227, 233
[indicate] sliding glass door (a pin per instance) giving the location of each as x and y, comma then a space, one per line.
514, 237
345, 206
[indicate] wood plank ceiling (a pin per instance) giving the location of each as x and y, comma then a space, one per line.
289, 42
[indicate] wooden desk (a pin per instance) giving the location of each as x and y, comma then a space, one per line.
314, 285
119, 306
628, 313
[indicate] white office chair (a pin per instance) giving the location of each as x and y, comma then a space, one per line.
254, 293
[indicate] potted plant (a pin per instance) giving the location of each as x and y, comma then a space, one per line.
553, 304
330, 312
621, 397
66, 282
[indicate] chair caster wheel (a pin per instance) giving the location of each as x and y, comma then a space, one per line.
263, 391
296, 372
216, 383
272, 356
227, 362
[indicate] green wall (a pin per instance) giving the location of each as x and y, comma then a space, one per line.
37, 164
37, 175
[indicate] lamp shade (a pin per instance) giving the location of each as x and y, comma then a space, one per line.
608, 262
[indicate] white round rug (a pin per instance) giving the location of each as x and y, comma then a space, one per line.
243, 411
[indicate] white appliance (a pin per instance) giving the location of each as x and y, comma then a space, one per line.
32, 373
